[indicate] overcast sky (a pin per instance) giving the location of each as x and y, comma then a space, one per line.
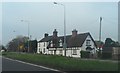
44, 17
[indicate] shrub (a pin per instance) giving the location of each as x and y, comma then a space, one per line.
85, 54
106, 55
99, 54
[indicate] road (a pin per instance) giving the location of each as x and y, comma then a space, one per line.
15, 65
0, 63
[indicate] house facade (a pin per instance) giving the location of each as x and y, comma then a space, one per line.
75, 43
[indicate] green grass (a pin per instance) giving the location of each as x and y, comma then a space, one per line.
64, 63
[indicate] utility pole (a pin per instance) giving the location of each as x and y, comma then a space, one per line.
17, 42
100, 33
100, 29
28, 33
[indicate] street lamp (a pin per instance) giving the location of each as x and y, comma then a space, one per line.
28, 30
17, 42
64, 45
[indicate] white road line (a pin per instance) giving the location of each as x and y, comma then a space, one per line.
33, 64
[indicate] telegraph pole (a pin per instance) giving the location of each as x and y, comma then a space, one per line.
100, 33
100, 29
28, 33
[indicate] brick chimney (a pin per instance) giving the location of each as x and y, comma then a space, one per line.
55, 33
45, 35
74, 33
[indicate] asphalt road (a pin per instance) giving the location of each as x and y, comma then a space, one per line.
13, 65
0, 63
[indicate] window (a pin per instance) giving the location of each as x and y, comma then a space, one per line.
88, 43
51, 44
51, 52
47, 43
60, 43
44, 44
44, 50
60, 51
74, 52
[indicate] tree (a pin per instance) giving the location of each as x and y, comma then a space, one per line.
107, 48
33, 46
15, 43
111, 43
3, 48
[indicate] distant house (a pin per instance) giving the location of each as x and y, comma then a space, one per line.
75, 43
99, 45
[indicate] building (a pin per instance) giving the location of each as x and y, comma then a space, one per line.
75, 44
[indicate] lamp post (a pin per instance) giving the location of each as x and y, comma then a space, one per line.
28, 31
100, 31
64, 45
17, 42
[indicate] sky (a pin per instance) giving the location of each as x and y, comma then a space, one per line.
44, 17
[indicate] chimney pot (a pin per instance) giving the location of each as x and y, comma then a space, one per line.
46, 34
74, 33
55, 33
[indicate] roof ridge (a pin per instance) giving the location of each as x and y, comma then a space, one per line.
77, 34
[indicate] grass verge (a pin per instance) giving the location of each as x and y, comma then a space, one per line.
63, 63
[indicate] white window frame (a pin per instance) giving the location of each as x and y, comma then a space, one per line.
44, 50
60, 43
61, 52
39, 44
74, 52
51, 44
88, 42
44, 44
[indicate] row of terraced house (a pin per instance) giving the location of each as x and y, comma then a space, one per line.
75, 43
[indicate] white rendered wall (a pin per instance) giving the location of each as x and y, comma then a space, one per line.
91, 43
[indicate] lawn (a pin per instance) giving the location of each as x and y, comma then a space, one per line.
64, 63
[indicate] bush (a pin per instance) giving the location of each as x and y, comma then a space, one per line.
99, 54
85, 54
107, 55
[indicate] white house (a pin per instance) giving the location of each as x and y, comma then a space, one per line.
75, 43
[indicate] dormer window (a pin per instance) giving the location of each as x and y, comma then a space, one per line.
51, 44
88, 43
60, 43
44, 44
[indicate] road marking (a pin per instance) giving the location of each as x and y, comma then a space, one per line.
34, 65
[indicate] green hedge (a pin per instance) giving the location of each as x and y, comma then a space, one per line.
106, 55
85, 54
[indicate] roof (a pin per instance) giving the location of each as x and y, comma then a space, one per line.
76, 41
99, 44
46, 39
